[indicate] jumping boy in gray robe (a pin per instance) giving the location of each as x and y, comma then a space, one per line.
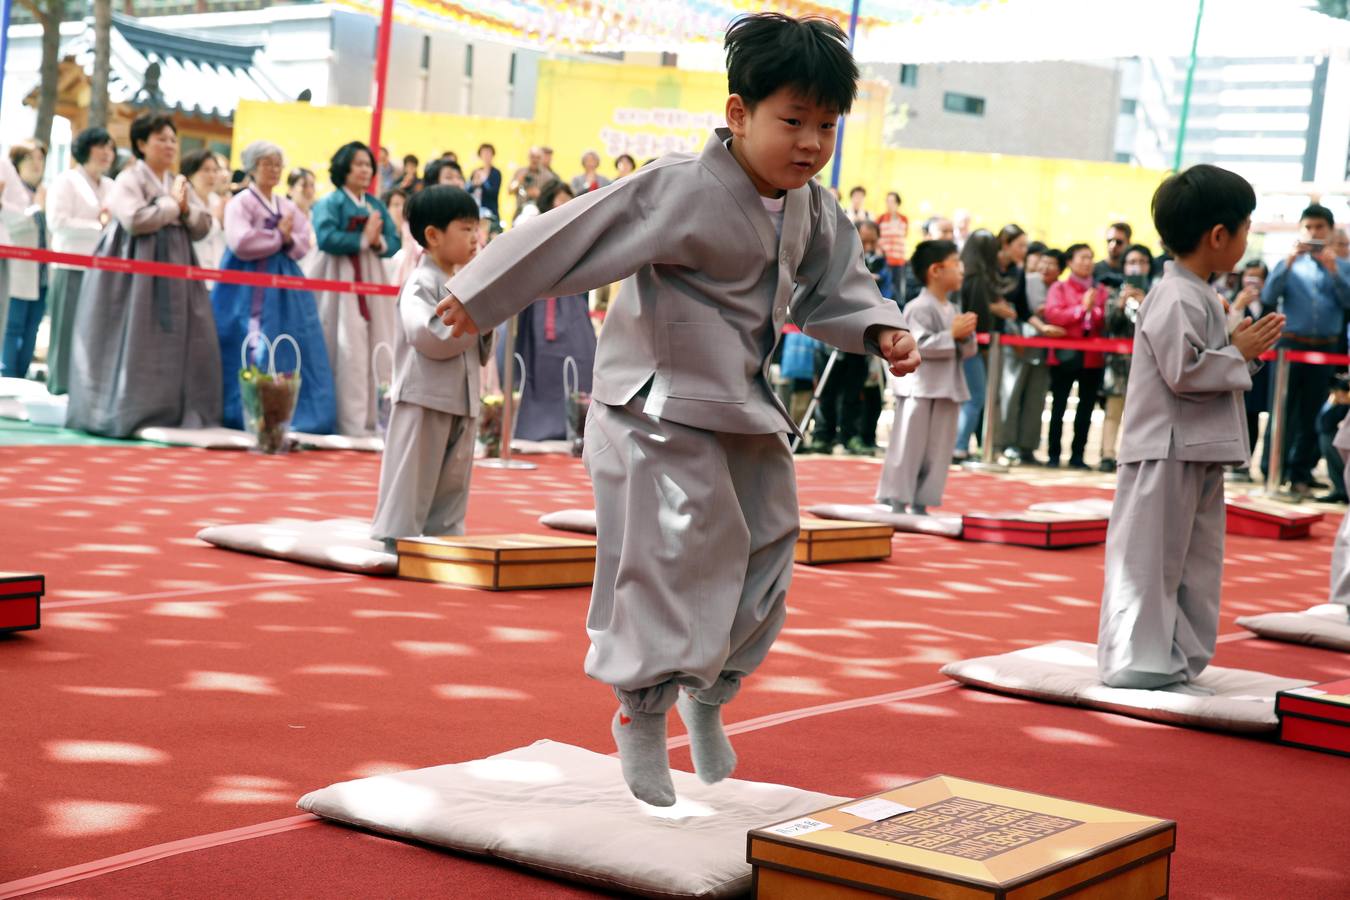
928, 403
686, 444
1184, 422
428, 448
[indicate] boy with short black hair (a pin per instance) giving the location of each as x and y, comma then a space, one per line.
686, 444
928, 404
1164, 549
428, 447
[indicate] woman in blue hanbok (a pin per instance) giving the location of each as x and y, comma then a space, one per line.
266, 232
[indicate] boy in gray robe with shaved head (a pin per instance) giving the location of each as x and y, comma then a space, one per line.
1183, 423
695, 494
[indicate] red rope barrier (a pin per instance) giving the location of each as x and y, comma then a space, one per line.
195, 273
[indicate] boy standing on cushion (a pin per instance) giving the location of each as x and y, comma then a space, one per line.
929, 404
428, 448
1184, 422
686, 445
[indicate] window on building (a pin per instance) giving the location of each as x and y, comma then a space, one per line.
426, 52
963, 104
909, 76
1128, 106
1123, 157
468, 60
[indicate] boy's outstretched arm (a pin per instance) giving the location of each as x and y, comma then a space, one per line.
599, 238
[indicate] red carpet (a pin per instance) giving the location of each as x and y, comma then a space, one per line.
177, 690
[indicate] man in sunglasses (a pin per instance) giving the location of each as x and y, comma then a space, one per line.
1111, 270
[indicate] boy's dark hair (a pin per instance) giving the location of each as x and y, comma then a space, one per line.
1073, 250
1257, 264
191, 163
858, 190
87, 140
1125, 227
929, 254
437, 206
1056, 255
341, 164
1318, 211
1036, 247
1189, 204
146, 125
769, 51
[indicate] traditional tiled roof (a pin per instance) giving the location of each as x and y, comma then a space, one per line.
199, 74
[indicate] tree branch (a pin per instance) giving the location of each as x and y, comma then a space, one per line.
37, 13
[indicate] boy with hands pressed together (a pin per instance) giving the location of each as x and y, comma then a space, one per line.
1184, 420
686, 444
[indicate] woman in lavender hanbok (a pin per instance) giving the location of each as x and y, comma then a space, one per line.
266, 232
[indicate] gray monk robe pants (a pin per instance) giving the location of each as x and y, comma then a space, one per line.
1340, 559
919, 454
1160, 604
425, 472
696, 532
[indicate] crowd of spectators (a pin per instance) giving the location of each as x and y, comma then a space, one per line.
1014, 285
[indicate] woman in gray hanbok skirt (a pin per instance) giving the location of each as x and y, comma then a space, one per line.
145, 350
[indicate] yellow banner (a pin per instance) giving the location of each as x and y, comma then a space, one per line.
647, 111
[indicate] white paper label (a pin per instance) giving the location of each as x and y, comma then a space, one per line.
876, 809
799, 827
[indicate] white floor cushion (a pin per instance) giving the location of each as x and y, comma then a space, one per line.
22, 388
343, 544
1066, 672
567, 812
579, 520
202, 438
1095, 507
947, 526
369, 444
1326, 625
13, 408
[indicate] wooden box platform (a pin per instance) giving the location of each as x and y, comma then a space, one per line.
21, 601
1034, 529
499, 562
837, 540
1317, 717
1255, 517
952, 838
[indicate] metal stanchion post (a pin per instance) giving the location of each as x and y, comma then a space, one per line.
1275, 467
815, 399
508, 408
993, 375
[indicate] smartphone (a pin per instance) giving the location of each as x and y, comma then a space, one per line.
1313, 244
1138, 281
1251, 281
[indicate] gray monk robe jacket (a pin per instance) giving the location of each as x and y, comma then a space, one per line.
712, 285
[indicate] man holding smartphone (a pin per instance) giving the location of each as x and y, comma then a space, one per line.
1311, 287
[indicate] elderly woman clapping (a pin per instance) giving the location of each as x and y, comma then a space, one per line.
266, 232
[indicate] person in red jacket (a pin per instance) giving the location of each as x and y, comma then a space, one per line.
1079, 307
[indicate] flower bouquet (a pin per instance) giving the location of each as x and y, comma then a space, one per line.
384, 403
576, 405
268, 397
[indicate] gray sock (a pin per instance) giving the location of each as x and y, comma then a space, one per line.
713, 757
1187, 687
641, 738
918, 509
